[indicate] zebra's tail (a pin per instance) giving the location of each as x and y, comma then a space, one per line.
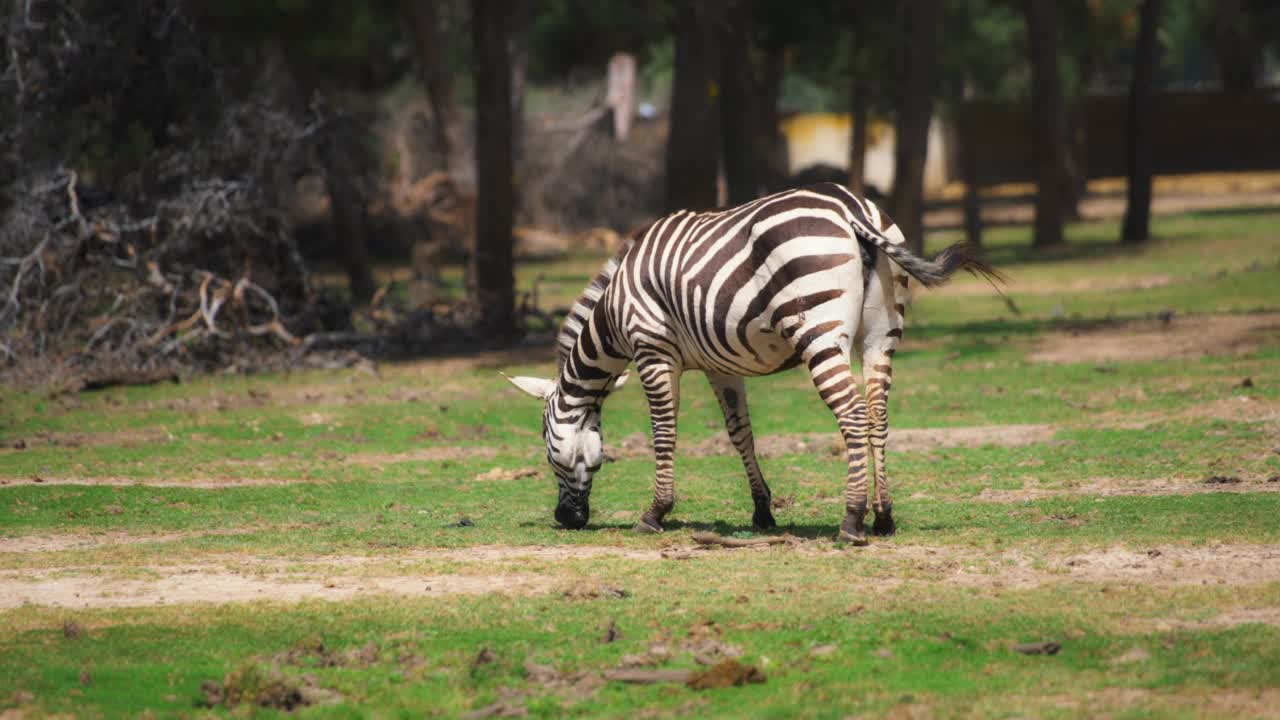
931, 273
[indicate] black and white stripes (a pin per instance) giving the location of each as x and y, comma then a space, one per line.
746, 291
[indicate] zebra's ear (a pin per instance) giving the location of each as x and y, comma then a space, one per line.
537, 387
620, 381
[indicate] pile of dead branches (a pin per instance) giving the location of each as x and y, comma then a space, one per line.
170, 251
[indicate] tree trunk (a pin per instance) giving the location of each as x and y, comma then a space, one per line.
338, 155
737, 109
521, 13
350, 221
1234, 37
969, 171
1137, 213
915, 108
858, 141
772, 147
446, 131
1049, 126
692, 141
491, 259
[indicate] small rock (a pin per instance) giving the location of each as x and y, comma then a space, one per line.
541, 674
1134, 654
634, 661
1037, 648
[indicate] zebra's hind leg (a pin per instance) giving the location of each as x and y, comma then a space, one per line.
731, 391
883, 317
878, 374
661, 380
834, 379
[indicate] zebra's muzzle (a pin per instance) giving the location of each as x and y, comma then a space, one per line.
572, 516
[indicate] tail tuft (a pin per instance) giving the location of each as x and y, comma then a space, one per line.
964, 256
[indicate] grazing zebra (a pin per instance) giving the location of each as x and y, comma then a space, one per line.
799, 277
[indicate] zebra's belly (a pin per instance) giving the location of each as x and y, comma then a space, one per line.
763, 353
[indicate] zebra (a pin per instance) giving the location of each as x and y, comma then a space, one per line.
802, 276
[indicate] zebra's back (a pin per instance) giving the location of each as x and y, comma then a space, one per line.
736, 291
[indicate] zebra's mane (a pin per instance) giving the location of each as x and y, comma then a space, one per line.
586, 302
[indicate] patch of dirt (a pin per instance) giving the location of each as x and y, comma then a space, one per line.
1262, 703
1119, 487
900, 440
58, 543
132, 437
1226, 619
492, 553
1208, 565
114, 481
426, 454
195, 586
1181, 337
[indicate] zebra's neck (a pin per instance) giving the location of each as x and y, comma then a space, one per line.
580, 312
585, 350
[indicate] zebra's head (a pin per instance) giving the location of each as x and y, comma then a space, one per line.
575, 445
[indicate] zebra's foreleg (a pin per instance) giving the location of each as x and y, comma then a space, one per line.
731, 391
661, 380
834, 379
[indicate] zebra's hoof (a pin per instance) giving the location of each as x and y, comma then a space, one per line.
851, 530
884, 525
858, 540
763, 520
645, 527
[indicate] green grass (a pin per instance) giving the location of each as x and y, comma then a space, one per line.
363, 476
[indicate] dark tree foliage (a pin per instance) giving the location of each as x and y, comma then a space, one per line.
139, 223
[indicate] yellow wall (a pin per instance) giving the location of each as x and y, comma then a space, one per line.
823, 138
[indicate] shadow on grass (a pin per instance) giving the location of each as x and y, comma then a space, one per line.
720, 527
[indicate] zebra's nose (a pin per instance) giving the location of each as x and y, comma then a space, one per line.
573, 517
